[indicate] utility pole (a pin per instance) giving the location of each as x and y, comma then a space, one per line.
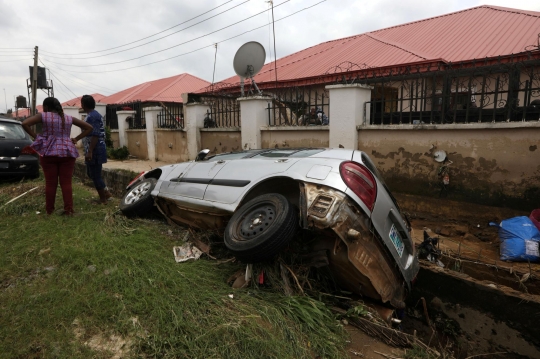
5, 98
34, 81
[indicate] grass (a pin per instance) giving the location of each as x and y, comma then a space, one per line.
99, 285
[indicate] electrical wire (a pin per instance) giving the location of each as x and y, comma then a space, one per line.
52, 74
144, 38
199, 49
99, 88
14, 55
171, 47
16, 60
149, 42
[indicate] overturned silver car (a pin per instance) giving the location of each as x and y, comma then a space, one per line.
261, 198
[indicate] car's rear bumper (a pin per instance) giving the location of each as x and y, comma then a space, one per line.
19, 166
358, 258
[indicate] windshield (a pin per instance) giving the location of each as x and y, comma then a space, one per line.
11, 131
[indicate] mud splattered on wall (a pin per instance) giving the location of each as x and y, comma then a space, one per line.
221, 141
294, 138
486, 166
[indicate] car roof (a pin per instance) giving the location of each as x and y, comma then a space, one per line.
9, 120
253, 153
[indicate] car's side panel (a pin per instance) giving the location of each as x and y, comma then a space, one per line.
227, 185
191, 180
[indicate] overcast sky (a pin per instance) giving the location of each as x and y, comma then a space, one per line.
72, 35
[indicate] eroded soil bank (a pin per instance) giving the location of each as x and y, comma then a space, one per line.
477, 303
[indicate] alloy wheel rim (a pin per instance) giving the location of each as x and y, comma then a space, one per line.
137, 193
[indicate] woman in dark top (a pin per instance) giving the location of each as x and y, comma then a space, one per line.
95, 152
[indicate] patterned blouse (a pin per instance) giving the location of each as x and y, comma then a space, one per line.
54, 139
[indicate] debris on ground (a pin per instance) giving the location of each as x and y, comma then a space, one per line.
429, 249
519, 239
186, 252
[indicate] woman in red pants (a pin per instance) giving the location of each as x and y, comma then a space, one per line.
57, 152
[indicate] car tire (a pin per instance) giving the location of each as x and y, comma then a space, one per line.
138, 200
260, 229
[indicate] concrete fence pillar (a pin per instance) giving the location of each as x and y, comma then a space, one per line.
73, 111
101, 108
123, 126
347, 112
254, 115
151, 117
194, 120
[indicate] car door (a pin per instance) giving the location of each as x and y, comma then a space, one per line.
237, 176
192, 180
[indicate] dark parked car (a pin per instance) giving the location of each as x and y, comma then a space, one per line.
260, 198
17, 159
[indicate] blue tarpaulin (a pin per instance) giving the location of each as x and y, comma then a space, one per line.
519, 239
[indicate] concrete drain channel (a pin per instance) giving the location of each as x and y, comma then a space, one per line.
479, 314
477, 304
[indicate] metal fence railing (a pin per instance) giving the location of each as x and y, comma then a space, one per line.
223, 117
171, 117
301, 106
137, 121
224, 111
495, 93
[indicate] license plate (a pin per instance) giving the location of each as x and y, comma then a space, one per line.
396, 240
4, 164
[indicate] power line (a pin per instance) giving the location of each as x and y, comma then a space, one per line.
199, 49
149, 42
144, 38
16, 60
182, 43
52, 74
99, 88
14, 55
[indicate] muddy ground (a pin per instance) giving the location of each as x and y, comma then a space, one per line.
477, 304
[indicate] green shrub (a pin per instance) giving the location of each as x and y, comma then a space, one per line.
121, 153
108, 139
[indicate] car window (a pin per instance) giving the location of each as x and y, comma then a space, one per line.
11, 131
290, 153
231, 155
307, 153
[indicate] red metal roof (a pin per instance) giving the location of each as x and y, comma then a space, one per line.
74, 102
475, 33
168, 89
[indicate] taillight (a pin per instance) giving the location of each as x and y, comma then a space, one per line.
360, 180
136, 178
28, 151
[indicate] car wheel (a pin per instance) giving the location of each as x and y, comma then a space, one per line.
138, 200
261, 228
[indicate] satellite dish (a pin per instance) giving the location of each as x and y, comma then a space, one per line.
248, 61
439, 156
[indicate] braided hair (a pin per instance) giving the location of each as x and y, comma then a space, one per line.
52, 104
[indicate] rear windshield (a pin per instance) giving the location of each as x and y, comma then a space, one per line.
11, 131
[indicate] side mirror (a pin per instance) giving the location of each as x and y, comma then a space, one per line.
201, 155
